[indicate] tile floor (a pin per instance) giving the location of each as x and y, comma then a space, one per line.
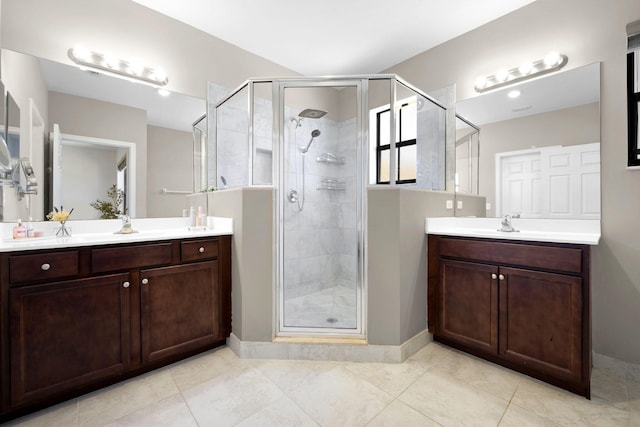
437, 386
333, 307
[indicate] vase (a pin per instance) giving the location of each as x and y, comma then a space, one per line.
63, 231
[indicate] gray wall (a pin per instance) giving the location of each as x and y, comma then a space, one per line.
170, 166
88, 117
251, 258
397, 261
586, 31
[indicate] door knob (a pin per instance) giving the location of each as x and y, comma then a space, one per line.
201, 250
494, 276
145, 281
501, 277
125, 284
45, 267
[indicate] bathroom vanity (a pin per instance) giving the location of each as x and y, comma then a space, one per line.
519, 303
85, 315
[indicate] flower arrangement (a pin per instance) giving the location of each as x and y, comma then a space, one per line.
59, 215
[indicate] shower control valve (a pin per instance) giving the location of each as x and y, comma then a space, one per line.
292, 195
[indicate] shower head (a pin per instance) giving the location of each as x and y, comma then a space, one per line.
314, 134
311, 113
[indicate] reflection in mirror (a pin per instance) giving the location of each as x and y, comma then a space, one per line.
5, 156
13, 127
96, 106
539, 154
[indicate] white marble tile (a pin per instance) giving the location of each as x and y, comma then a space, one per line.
608, 386
340, 398
229, 399
281, 413
170, 412
62, 415
519, 417
450, 401
393, 378
566, 408
480, 374
203, 367
400, 415
288, 375
111, 403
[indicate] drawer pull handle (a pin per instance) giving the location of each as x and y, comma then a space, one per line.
145, 281
45, 267
494, 276
501, 277
125, 284
201, 250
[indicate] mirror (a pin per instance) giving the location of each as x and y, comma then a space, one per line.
536, 155
5, 156
106, 114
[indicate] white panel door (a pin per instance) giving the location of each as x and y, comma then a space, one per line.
519, 184
571, 179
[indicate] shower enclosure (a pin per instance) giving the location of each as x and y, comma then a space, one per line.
320, 142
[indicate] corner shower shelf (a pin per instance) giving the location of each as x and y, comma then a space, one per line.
330, 158
332, 184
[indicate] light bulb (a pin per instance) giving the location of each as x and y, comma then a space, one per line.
481, 82
136, 67
160, 75
525, 68
111, 61
502, 75
81, 52
551, 59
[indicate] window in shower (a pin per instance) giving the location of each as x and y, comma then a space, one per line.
405, 144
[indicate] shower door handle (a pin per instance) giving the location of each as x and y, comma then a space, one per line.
292, 195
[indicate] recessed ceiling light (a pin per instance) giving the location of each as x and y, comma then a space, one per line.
514, 93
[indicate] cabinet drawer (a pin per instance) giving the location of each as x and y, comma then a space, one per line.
43, 266
127, 257
567, 259
196, 250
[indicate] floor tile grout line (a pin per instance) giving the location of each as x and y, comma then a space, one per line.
186, 402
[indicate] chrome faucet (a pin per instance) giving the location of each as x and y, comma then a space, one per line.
507, 227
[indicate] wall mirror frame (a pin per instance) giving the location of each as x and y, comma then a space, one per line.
554, 120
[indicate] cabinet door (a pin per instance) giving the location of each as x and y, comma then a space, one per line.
541, 321
67, 334
468, 304
180, 309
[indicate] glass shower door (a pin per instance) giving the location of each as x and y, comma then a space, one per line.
321, 190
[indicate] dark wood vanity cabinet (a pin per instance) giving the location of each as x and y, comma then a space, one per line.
520, 304
77, 319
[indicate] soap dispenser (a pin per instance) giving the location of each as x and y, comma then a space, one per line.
19, 231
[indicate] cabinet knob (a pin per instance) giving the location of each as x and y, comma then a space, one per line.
501, 277
201, 250
494, 276
125, 284
145, 281
45, 267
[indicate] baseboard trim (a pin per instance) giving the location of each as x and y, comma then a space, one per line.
339, 350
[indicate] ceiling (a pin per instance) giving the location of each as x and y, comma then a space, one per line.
335, 37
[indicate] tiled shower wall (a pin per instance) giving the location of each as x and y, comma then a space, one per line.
320, 240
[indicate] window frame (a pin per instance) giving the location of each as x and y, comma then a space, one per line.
398, 145
633, 99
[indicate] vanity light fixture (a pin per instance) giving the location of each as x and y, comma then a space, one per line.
553, 61
108, 63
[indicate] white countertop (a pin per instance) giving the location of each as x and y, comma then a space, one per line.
578, 231
102, 232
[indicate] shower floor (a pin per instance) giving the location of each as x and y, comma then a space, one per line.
329, 308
